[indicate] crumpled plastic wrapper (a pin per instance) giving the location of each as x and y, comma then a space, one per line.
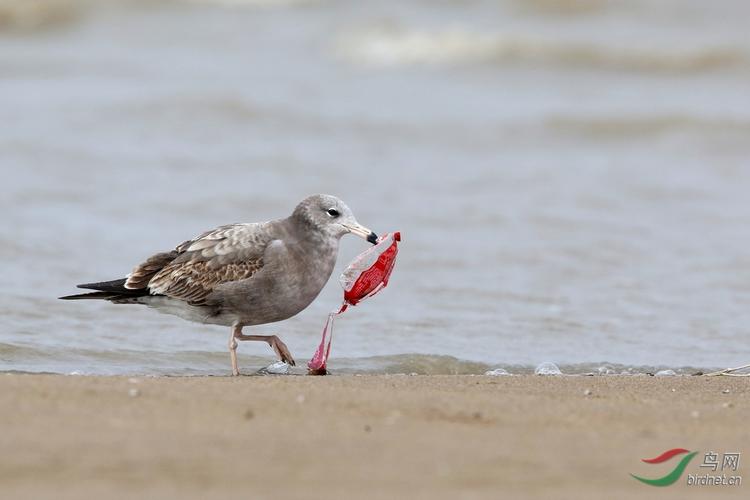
364, 277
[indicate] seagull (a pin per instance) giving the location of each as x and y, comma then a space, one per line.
241, 275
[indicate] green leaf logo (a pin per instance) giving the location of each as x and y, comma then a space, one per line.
673, 476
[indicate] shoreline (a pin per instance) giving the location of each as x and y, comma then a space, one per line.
368, 436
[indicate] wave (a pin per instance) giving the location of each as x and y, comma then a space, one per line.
428, 364
255, 3
564, 6
38, 15
637, 126
78, 361
28, 15
401, 47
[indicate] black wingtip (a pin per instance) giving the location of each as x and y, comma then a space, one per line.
106, 286
92, 295
107, 290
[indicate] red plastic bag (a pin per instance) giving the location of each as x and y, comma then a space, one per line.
364, 277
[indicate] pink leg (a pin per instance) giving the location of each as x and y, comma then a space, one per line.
275, 342
233, 349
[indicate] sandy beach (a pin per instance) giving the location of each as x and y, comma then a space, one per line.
570, 178
361, 436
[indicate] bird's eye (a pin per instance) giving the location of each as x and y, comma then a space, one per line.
333, 212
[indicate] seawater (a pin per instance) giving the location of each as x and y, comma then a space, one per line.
570, 177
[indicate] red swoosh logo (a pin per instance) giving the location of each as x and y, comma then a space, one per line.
665, 456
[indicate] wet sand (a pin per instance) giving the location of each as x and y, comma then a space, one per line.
361, 436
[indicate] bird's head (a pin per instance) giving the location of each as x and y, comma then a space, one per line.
331, 216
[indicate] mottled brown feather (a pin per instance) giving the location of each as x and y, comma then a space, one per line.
196, 267
193, 281
142, 274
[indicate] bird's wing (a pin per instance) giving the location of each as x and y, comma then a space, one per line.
139, 278
196, 267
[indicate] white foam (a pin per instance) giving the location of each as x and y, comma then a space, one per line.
497, 372
277, 368
547, 368
400, 46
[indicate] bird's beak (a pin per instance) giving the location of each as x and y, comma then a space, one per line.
362, 232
